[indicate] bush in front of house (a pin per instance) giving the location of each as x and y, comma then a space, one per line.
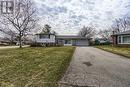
105, 42
45, 45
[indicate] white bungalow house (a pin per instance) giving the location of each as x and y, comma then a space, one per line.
122, 38
61, 40
45, 38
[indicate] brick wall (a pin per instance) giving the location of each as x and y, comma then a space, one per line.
114, 40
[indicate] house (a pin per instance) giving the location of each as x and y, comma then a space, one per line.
72, 40
121, 39
61, 40
45, 38
4, 42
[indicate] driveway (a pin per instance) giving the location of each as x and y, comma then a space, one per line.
92, 67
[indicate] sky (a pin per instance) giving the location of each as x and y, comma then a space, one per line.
69, 16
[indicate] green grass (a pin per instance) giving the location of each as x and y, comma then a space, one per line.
123, 51
33, 67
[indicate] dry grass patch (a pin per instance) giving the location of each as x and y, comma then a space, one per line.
33, 67
124, 51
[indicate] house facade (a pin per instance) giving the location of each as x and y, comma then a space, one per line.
61, 40
72, 40
45, 38
121, 39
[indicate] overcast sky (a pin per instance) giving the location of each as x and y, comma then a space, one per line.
68, 16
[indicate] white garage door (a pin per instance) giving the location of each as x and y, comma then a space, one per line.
82, 43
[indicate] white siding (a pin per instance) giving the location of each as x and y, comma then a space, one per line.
45, 40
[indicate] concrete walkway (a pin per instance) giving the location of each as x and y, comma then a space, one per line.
92, 67
8, 47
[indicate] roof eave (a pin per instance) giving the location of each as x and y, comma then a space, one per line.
119, 34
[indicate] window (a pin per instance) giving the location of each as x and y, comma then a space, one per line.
44, 36
126, 39
60, 41
119, 39
67, 41
7, 7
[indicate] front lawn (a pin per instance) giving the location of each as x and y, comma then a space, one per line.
33, 67
124, 51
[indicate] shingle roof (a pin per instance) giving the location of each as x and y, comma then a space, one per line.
70, 37
123, 33
64, 36
45, 34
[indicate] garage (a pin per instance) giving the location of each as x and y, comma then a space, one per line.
81, 42
72, 40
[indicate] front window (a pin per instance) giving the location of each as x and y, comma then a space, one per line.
44, 36
126, 39
67, 41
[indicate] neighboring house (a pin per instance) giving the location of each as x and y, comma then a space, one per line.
121, 39
61, 40
4, 42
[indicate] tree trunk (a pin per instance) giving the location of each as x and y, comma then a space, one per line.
20, 40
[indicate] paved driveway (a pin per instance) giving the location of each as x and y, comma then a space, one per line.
92, 67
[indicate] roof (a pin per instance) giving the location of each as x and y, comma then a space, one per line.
4, 40
44, 34
123, 33
64, 36
70, 37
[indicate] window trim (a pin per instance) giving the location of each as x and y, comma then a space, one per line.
119, 39
44, 38
122, 39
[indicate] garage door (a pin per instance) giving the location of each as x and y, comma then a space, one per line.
81, 43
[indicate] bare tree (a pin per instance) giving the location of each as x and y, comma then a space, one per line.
116, 26
86, 31
121, 25
23, 20
106, 33
9, 34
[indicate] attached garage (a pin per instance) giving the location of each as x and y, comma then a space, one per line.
72, 40
81, 42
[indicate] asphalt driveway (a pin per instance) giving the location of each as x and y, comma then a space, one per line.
92, 67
